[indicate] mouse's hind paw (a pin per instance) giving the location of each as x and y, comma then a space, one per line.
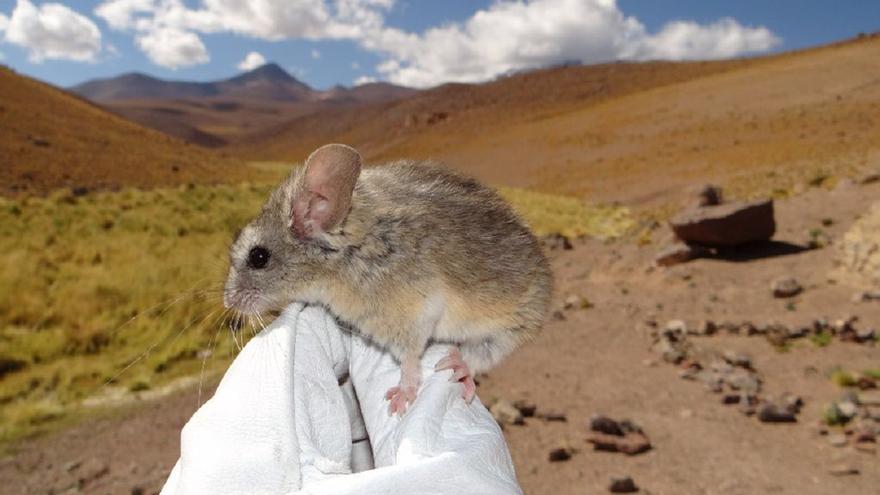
460, 373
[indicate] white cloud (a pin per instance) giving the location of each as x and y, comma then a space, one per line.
510, 36
364, 80
262, 19
685, 40
173, 48
121, 14
52, 31
316, 54
252, 61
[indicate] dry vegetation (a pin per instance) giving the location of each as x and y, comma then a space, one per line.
120, 291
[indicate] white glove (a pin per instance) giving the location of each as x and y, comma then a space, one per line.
279, 423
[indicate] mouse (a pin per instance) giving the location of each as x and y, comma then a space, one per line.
406, 253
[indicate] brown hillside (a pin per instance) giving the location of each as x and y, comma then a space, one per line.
51, 139
626, 132
429, 124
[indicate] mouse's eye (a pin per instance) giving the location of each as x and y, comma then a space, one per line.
258, 257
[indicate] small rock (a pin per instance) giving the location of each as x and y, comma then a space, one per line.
630, 443
844, 325
526, 408
866, 296
706, 327
553, 416
747, 328
843, 470
709, 195
786, 287
838, 440
506, 414
604, 424
559, 454
679, 253
744, 381
865, 335
138, 490
864, 382
798, 331
623, 485
870, 399
557, 241
847, 409
576, 302
792, 402
870, 178
730, 399
769, 412
738, 359
558, 315
676, 328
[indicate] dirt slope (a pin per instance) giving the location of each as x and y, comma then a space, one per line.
600, 130
51, 139
436, 121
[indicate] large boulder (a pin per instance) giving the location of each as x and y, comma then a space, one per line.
858, 254
726, 225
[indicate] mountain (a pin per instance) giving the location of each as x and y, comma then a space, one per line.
51, 139
215, 113
265, 83
626, 131
269, 82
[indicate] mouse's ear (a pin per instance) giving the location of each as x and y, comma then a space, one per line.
324, 196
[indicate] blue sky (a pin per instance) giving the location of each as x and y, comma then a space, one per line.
418, 43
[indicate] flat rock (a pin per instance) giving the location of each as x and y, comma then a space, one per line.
838, 440
630, 443
726, 225
624, 484
775, 413
679, 253
786, 287
559, 454
843, 470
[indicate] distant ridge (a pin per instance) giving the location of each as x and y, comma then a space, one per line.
269, 82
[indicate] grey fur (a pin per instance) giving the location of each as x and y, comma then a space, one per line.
423, 254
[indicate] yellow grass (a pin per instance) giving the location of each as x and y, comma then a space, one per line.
114, 292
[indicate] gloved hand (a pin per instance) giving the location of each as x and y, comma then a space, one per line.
279, 423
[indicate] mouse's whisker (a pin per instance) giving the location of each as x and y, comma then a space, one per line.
152, 347
210, 352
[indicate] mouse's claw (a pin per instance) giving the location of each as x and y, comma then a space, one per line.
399, 398
460, 373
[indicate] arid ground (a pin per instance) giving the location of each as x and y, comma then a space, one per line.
801, 128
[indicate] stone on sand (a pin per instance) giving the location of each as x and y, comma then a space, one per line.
623, 484
679, 253
726, 225
786, 287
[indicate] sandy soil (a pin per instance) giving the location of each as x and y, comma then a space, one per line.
597, 360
